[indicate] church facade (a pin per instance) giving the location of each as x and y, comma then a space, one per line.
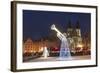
74, 36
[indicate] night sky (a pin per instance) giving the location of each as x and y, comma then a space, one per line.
36, 24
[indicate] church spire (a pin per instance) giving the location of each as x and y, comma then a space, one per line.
77, 25
69, 24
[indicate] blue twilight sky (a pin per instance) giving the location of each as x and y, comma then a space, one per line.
36, 24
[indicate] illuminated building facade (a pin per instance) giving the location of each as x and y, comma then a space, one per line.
36, 46
28, 46
74, 35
